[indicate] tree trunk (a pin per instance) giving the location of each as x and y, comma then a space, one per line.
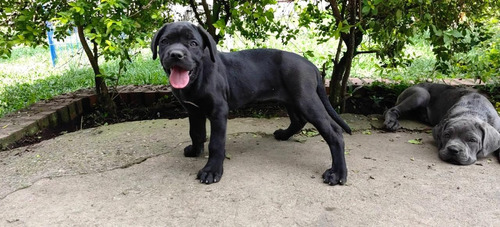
335, 82
342, 69
101, 89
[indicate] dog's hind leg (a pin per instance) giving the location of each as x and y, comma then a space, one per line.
297, 122
315, 113
410, 99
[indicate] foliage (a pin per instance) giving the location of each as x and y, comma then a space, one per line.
459, 35
483, 60
112, 27
115, 26
252, 19
453, 26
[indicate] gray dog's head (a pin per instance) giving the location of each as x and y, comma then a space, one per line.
181, 46
462, 140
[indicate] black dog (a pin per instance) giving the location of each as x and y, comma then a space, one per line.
466, 124
210, 83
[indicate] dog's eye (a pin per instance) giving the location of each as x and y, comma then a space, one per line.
446, 135
472, 140
193, 44
164, 41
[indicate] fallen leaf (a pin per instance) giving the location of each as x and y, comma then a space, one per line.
311, 132
301, 140
367, 132
416, 141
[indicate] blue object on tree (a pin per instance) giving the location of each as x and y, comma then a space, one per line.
50, 36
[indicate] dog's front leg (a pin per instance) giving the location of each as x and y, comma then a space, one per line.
197, 132
212, 172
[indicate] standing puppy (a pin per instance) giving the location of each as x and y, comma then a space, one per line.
210, 83
466, 124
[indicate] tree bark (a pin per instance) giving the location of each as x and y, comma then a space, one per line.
342, 68
101, 88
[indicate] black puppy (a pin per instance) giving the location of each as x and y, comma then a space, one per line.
210, 83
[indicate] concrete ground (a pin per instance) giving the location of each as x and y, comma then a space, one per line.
134, 174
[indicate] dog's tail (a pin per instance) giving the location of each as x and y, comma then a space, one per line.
324, 98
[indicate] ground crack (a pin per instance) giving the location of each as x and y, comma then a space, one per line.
125, 166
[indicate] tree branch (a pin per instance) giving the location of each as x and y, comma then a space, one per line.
335, 10
88, 52
366, 52
227, 9
192, 3
147, 6
207, 12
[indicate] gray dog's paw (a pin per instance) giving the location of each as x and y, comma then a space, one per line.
208, 176
332, 178
190, 151
392, 124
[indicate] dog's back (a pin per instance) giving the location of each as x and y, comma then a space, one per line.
442, 98
268, 74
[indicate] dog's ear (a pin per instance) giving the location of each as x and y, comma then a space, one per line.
490, 139
156, 39
437, 132
209, 42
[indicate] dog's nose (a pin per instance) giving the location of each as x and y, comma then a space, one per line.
177, 54
454, 150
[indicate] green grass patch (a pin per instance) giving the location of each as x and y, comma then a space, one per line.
28, 76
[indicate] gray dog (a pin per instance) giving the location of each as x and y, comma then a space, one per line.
210, 83
466, 124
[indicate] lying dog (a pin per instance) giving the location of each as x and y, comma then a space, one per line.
210, 83
466, 124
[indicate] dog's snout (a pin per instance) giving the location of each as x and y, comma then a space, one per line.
177, 54
454, 150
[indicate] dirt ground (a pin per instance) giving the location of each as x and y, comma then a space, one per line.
134, 174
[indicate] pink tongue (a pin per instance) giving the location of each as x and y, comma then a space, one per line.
179, 77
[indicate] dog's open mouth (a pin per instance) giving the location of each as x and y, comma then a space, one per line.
179, 77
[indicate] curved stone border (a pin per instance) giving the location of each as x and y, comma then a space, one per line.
64, 109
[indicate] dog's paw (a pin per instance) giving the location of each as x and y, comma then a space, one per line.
332, 178
210, 175
391, 124
281, 134
190, 151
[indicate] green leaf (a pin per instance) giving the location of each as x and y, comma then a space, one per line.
309, 132
220, 24
366, 9
456, 34
109, 24
399, 14
417, 141
447, 39
436, 31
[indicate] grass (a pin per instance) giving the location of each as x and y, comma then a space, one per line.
28, 75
